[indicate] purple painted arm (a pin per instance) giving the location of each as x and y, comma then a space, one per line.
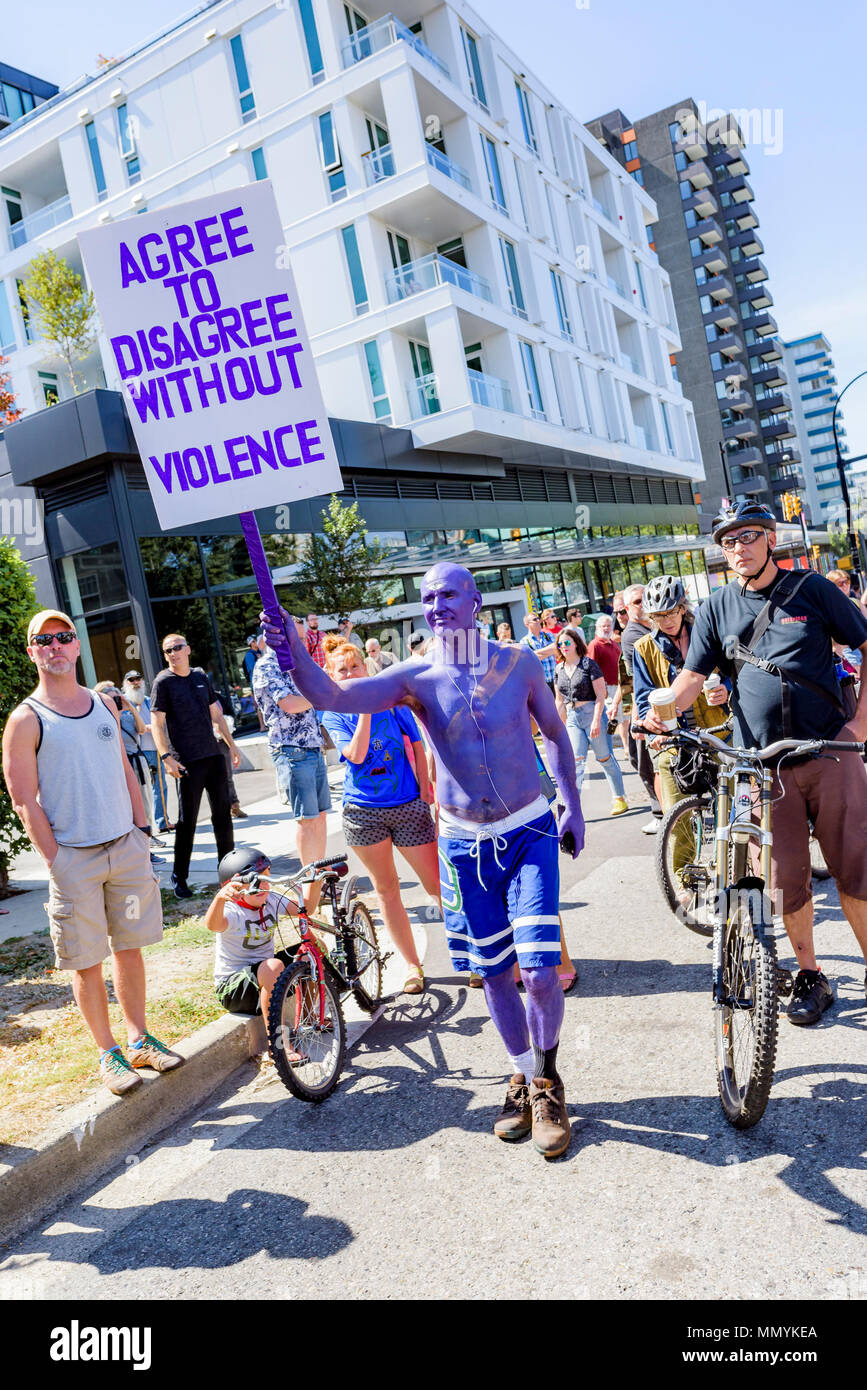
367, 695
560, 757
262, 575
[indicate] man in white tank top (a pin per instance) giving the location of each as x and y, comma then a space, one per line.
79, 801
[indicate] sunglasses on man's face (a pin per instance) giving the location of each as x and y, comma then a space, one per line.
44, 639
618, 611
178, 647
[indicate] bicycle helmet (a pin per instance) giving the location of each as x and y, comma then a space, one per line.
742, 514
662, 594
244, 864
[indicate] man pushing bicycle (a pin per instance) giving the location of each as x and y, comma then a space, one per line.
772, 634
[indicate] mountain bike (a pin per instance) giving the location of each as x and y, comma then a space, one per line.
305, 1024
746, 978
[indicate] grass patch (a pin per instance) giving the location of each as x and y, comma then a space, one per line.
49, 1058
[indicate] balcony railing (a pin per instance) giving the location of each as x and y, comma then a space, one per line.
382, 34
378, 164
447, 166
491, 391
616, 286
40, 221
630, 364
423, 396
600, 207
430, 271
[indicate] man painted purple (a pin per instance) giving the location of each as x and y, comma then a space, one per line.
498, 839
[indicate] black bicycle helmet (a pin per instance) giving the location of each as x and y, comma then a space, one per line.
662, 594
244, 864
742, 514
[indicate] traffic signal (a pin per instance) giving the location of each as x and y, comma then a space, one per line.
786, 502
816, 552
796, 504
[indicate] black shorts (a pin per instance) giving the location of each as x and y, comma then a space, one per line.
411, 823
239, 993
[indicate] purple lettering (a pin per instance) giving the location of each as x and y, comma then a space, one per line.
228, 323
204, 386
164, 392
145, 399
145, 350
235, 454
217, 476
233, 233
208, 240
129, 268
205, 347
198, 476
276, 380
308, 441
159, 341
239, 367
203, 288
278, 440
253, 324
181, 345
262, 453
176, 283
123, 346
289, 353
181, 241
277, 319
178, 378
164, 470
158, 268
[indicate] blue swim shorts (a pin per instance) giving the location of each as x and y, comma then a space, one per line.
501, 897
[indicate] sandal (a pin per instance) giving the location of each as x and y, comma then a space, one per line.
568, 977
414, 982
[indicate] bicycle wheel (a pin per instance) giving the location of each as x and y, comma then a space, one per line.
685, 858
308, 1053
362, 957
745, 1023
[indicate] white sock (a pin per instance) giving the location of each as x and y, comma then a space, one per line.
526, 1063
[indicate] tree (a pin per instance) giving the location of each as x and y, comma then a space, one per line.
17, 678
64, 310
9, 411
336, 574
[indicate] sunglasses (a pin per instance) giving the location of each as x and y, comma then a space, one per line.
178, 647
567, 642
744, 537
618, 611
44, 639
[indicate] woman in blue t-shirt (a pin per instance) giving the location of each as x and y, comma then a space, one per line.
386, 803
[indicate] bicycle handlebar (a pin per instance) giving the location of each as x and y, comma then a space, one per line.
782, 745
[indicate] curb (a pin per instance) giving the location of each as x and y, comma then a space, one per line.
97, 1133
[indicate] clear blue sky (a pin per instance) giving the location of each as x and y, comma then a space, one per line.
794, 57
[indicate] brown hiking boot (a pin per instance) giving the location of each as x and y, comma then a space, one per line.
117, 1074
551, 1128
513, 1121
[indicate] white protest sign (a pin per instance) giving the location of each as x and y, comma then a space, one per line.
204, 323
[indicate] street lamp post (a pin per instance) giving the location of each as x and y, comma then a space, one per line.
854, 550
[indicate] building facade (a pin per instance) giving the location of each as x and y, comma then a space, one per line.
731, 363
809, 367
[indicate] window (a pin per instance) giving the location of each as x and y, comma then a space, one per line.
492, 166
16, 101
126, 132
696, 246
7, 332
48, 382
716, 361
686, 190
356, 270
424, 398
519, 185
332, 162
311, 39
641, 295
705, 303
680, 161
242, 77
531, 380
667, 427
474, 68
700, 275
513, 280
630, 150
550, 198
560, 411
526, 118
95, 161
638, 175
399, 251
676, 132
381, 406
690, 217
560, 304
24, 309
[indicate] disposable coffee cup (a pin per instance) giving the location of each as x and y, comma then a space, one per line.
663, 706
712, 683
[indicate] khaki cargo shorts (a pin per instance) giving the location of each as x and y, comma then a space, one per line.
103, 898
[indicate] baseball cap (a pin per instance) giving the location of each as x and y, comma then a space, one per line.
38, 621
133, 676
254, 637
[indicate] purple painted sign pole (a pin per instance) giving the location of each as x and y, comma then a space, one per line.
262, 574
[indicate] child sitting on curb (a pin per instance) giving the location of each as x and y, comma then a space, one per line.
243, 914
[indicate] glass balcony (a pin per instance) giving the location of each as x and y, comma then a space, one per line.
448, 167
644, 438
40, 221
428, 273
491, 391
422, 396
378, 164
630, 364
382, 34
616, 286
606, 212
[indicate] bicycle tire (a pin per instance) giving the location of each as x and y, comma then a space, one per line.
745, 1069
367, 989
293, 1024
696, 915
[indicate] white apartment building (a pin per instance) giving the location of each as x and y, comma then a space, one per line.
473, 265
809, 368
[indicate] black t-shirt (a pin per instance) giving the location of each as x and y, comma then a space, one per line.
185, 701
576, 682
798, 640
632, 633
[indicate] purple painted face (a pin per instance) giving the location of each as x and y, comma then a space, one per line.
450, 599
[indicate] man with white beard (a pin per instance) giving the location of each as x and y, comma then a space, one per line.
134, 690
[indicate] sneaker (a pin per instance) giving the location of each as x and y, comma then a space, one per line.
237, 812
117, 1074
619, 806
652, 826
515, 1120
157, 842
811, 996
182, 889
157, 859
152, 1053
551, 1128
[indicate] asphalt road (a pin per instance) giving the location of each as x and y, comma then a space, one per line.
396, 1186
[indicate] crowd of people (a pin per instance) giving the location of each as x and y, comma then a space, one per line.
454, 758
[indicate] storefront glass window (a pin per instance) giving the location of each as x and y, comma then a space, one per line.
172, 565
550, 582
